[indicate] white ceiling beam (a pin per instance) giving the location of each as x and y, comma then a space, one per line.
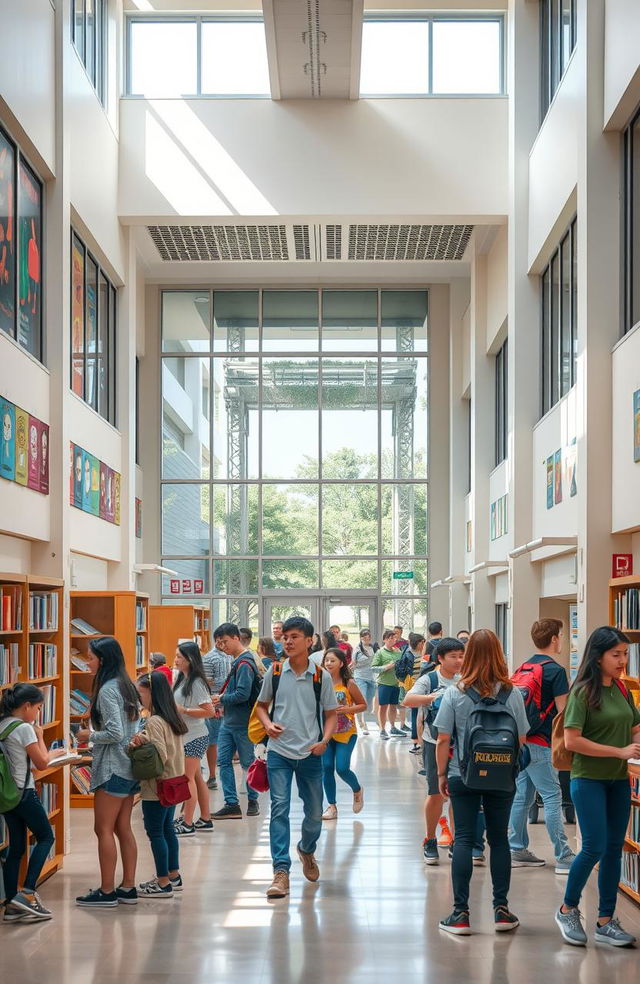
357, 16
272, 48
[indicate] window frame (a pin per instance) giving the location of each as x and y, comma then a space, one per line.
501, 403
630, 166
552, 61
552, 303
98, 75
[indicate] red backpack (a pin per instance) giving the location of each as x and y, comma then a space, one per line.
528, 679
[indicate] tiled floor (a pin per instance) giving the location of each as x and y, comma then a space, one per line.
371, 918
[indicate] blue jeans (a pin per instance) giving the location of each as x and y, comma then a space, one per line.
539, 775
229, 741
29, 814
337, 758
367, 689
603, 808
158, 823
308, 773
466, 803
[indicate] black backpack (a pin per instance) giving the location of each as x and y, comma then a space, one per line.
489, 761
404, 666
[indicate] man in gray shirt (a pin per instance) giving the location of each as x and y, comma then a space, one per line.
302, 720
217, 666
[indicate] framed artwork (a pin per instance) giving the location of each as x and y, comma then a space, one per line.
86, 482
43, 438
8, 442
550, 482
94, 487
22, 446
33, 472
29, 260
636, 425
7, 237
77, 477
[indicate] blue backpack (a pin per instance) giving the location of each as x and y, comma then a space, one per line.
432, 711
404, 666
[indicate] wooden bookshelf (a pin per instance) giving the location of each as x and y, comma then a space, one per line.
171, 623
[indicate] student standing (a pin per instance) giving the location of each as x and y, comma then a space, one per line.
417, 643
602, 729
302, 720
434, 630
337, 757
23, 744
114, 714
276, 628
193, 700
158, 661
216, 666
484, 671
388, 687
266, 651
363, 673
164, 728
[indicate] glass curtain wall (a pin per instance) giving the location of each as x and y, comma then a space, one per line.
294, 447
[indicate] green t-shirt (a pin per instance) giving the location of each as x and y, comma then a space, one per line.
611, 725
382, 658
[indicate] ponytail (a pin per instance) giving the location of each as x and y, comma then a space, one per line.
16, 696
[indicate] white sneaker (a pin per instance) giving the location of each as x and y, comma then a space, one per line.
331, 812
358, 801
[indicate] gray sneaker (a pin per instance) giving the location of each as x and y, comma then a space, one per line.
571, 927
563, 865
613, 934
526, 859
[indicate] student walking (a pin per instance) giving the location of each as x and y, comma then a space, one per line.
302, 720
193, 700
23, 746
388, 687
164, 728
266, 651
483, 676
545, 684
216, 666
602, 729
114, 715
363, 674
337, 757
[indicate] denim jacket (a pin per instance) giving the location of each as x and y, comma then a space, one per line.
235, 699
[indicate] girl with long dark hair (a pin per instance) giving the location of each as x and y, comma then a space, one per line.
164, 728
114, 715
23, 744
602, 729
337, 757
193, 701
485, 671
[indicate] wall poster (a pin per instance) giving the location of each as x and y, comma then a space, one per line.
636, 425
94, 487
7, 236
29, 262
24, 448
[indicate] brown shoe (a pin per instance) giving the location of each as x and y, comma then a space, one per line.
310, 868
279, 887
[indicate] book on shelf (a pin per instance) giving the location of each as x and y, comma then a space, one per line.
81, 779
633, 666
11, 607
626, 609
630, 870
9, 663
42, 660
141, 617
83, 627
79, 663
633, 830
48, 709
48, 794
43, 611
79, 702
635, 785
140, 652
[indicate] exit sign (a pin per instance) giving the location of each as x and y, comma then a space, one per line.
402, 575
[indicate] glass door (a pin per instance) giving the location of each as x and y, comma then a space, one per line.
281, 605
352, 614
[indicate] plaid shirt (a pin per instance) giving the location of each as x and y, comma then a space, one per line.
216, 669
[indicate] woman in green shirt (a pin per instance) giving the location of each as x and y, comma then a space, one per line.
602, 729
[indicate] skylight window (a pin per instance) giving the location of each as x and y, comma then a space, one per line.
395, 58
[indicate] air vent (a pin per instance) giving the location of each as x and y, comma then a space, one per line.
334, 242
408, 242
301, 241
221, 243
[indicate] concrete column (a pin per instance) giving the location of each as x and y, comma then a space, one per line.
458, 437
438, 437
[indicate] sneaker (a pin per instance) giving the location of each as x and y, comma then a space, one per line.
358, 801
383, 733
504, 920
310, 868
203, 825
613, 934
212, 783
450, 851
422, 772
563, 865
430, 851
526, 859
571, 927
405, 727
184, 829
127, 896
98, 899
457, 924
365, 731
177, 884
230, 811
331, 812
155, 890
415, 750
13, 914
253, 808
279, 887
445, 837
478, 859
30, 904
397, 733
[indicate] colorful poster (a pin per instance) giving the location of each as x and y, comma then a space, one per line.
77, 477
104, 475
43, 437
86, 482
8, 443
110, 503
550, 482
570, 469
77, 317
636, 425
95, 486
29, 263
138, 519
492, 522
116, 498
22, 446
72, 462
557, 481
7, 237
573, 642
33, 474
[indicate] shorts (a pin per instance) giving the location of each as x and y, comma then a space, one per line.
196, 748
119, 787
213, 727
388, 695
430, 767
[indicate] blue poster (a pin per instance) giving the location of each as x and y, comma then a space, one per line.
86, 482
8, 444
550, 482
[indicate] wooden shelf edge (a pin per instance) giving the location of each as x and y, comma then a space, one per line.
50, 867
631, 580
629, 891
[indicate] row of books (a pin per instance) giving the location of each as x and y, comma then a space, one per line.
633, 666
78, 662
43, 610
626, 609
48, 712
633, 830
630, 870
9, 663
82, 627
79, 702
42, 660
81, 779
141, 658
48, 794
10, 607
141, 617
635, 786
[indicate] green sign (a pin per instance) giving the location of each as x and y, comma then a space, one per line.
402, 575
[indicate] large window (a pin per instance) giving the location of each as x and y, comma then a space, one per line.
89, 34
631, 250
557, 41
432, 56
20, 249
294, 450
559, 294
501, 404
197, 56
93, 332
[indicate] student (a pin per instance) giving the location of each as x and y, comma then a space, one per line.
266, 651
463, 636
483, 669
114, 715
388, 687
329, 640
341, 643
417, 643
236, 700
19, 733
158, 661
216, 665
434, 630
401, 642
602, 729
540, 775
276, 629
363, 674
427, 691
317, 644
246, 635
193, 700
297, 743
337, 757
164, 728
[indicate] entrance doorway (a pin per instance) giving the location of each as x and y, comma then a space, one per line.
351, 611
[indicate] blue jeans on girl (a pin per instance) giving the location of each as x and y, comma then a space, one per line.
337, 758
158, 823
29, 814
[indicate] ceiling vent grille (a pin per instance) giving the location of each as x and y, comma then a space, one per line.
301, 242
334, 242
221, 243
408, 242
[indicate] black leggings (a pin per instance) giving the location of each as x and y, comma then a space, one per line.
28, 815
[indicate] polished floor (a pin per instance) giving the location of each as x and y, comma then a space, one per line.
372, 917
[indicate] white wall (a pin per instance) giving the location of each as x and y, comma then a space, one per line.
499, 486
496, 288
88, 573
555, 431
558, 577
625, 472
15, 555
621, 61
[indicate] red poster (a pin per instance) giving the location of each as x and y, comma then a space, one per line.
174, 586
198, 586
43, 433
622, 565
187, 586
33, 480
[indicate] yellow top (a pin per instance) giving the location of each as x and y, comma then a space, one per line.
346, 722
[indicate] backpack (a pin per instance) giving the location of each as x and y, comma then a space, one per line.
256, 686
528, 679
489, 761
432, 711
561, 757
404, 666
256, 730
145, 761
10, 794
